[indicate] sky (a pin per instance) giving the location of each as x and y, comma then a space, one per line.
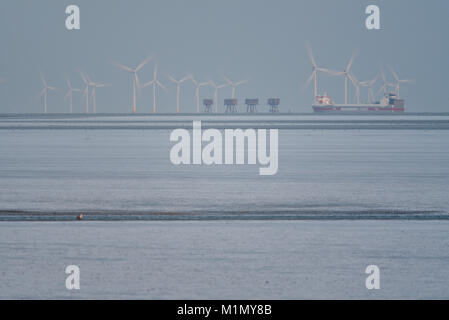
260, 40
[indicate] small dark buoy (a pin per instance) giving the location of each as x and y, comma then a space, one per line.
80, 216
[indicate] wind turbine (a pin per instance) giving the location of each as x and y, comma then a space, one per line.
178, 88
369, 84
198, 85
96, 85
346, 74
357, 84
136, 83
69, 94
385, 85
44, 91
86, 90
314, 71
234, 85
216, 88
399, 81
155, 83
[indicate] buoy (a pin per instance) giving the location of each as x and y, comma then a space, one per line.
80, 216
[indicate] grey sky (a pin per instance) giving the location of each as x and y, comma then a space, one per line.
263, 40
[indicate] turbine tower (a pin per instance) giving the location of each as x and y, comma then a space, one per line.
69, 94
96, 85
178, 88
357, 84
216, 88
198, 85
399, 81
44, 91
314, 72
136, 83
154, 83
385, 85
369, 84
346, 74
86, 90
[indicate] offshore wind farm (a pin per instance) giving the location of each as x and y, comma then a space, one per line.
388, 102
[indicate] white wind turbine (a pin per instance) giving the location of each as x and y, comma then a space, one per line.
357, 84
136, 83
69, 94
216, 88
198, 85
86, 90
385, 85
96, 85
154, 83
369, 84
346, 74
234, 85
44, 91
399, 81
178, 88
314, 73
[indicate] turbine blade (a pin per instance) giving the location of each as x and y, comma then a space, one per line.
121, 66
348, 67
241, 82
161, 85
331, 72
184, 79
309, 80
394, 74
68, 81
84, 78
149, 83
354, 80
383, 75
228, 80
171, 78
155, 72
143, 63
380, 89
43, 80
309, 50
88, 79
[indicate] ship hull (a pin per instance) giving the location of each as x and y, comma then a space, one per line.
358, 109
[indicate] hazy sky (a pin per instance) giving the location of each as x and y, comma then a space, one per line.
262, 40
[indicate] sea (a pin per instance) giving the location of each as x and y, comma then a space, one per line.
350, 191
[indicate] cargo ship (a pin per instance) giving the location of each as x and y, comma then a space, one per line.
389, 104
